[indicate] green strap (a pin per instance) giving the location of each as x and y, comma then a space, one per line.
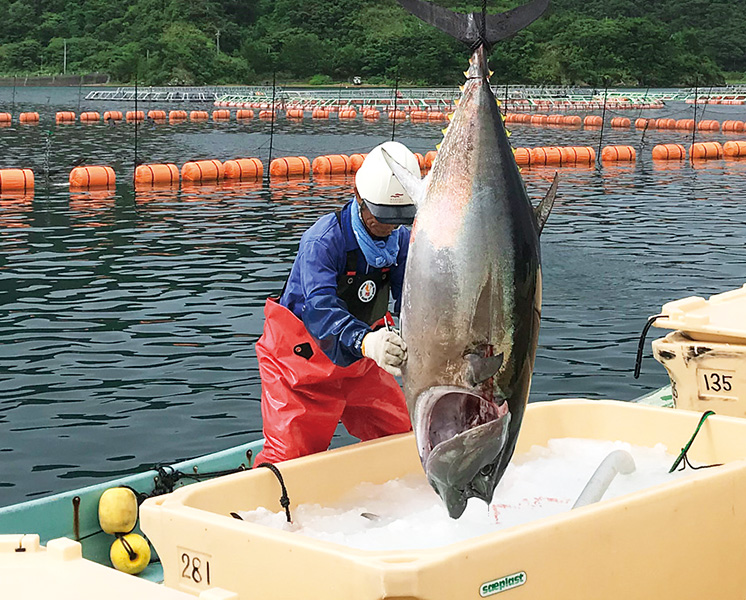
685, 449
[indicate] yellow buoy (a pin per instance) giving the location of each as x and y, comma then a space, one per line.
130, 553
117, 510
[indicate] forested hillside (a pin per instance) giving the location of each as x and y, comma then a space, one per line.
622, 42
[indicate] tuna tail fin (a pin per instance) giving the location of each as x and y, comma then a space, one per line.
469, 28
541, 212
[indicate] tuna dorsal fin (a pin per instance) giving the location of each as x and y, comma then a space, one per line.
542, 211
480, 368
413, 185
467, 27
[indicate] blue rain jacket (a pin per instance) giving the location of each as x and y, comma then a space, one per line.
311, 290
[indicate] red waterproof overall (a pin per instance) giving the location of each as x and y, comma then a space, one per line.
305, 395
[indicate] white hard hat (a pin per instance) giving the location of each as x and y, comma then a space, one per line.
380, 189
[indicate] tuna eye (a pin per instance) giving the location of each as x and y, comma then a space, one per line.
487, 470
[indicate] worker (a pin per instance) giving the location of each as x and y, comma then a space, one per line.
328, 352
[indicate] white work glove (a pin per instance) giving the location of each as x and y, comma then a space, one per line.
387, 349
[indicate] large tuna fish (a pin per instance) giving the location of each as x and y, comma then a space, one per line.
472, 290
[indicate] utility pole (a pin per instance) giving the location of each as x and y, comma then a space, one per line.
64, 57
217, 42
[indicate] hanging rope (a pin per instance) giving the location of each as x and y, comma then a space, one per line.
396, 96
603, 122
137, 162
130, 550
272, 123
641, 344
284, 499
168, 477
683, 458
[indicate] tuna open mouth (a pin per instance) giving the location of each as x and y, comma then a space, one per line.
464, 437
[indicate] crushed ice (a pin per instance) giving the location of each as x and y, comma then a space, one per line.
406, 513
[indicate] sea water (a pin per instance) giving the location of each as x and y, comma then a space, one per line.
406, 514
128, 320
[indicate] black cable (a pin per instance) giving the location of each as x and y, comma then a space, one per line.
284, 499
641, 344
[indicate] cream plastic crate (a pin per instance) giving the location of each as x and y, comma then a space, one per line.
706, 356
677, 540
59, 572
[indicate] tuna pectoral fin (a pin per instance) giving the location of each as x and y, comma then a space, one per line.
467, 28
413, 185
542, 211
481, 368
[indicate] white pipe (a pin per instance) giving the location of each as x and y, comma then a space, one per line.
618, 461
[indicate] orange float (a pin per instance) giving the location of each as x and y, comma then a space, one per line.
733, 126
290, 166
244, 113
539, 120
347, 113
669, 152
177, 115
132, 115
578, 155
98, 176
65, 116
199, 171
157, 115
593, 121
90, 117
330, 164
294, 113
708, 125
28, 117
706, 150
268, 114
221, 115
5, 117
16, 180
156, 174
420, 160
620, 122
397, 115
371, 114
436, 115
418, 115
199, 115
546, 155
523, 156
665, 123
320, 113
430, 159
572, 120
618, 154
243, 169
734, 149
685, 124
645, 123
356, 160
